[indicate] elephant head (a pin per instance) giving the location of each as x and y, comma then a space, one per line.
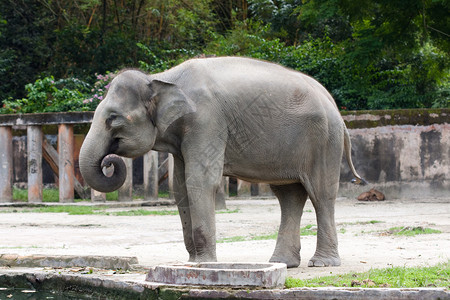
135, 112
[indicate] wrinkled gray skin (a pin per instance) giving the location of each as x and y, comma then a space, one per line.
229, 116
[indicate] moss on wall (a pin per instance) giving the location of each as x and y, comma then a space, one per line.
377, 118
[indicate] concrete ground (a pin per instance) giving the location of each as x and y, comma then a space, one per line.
158, 240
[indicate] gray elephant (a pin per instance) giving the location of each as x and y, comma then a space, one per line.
230, 116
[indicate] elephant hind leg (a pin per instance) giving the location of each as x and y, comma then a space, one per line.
323, 195
292, 199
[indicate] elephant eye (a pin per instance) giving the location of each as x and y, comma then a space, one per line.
112, 121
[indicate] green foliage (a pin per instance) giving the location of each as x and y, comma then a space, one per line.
394, 277
158, 59
48, 95
369, 54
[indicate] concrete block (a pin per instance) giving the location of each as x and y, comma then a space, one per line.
267, 275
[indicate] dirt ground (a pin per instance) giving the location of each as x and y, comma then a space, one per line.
158, 239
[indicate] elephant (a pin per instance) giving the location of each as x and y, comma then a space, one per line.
228, 116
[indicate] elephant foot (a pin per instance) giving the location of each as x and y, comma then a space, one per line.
290, 261
203, 258
317, 261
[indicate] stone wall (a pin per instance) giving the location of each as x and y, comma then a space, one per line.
406, 161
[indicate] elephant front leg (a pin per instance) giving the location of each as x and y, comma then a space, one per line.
203, 178
182, 201
202, 211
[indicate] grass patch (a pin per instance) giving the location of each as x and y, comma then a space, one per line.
411, 231
141, 212
48, 195
227, 211
100, 210
233, 239
264, 237
307, 230
241, 238
113, 196
362, 222
52, 195
163, 194
395, 277
70, 209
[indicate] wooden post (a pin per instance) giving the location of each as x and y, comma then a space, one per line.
170, 180
52, 158
34, 149
226, 186
126, 190
264, 189
6, 164
151, 175
97, 196
243, 188
220, 196
65, 163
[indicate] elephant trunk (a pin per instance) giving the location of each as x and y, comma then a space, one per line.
92, 161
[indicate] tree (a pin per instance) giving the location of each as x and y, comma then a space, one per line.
25, 35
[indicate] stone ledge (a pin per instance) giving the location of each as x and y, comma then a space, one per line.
67, 261
46, 118
133, 287
378, 118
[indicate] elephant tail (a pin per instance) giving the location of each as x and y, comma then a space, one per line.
348, 155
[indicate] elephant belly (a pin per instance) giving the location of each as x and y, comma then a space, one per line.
257, 165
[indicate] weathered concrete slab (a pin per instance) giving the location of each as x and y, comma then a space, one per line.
67, 261
266, 275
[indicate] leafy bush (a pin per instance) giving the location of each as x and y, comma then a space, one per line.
159, 59
48, 95
98, 92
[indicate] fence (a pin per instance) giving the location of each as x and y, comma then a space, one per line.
63, 162
403, 152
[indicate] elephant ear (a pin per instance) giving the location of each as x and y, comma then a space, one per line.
169, 104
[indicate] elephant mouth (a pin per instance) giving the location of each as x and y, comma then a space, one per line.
114, 145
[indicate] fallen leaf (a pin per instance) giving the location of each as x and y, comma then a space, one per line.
369, 282
355, 283
76, 269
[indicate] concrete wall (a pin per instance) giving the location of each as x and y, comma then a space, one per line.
406, 161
